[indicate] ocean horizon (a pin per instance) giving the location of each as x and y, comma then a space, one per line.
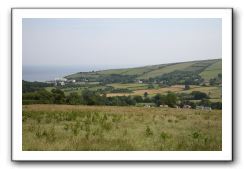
46, 73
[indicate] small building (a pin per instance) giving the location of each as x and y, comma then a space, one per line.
71, 81
208, 108
60, 79
140, 81
187, 107
164, 106
62, 83
203, 108
82, 82
145, 105
200, 107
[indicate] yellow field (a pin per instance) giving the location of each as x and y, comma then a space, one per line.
66, 127
213, 91
176, 88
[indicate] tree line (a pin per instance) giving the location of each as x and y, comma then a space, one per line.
88, 97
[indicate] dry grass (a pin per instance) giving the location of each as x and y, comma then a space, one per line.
213, 91
176, 88
66, 127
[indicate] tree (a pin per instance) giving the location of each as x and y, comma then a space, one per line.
145, 94
159, 99
220, 76
150, 86
156, 99
88, 97
171, 99
197, 95
187, 87
216, 105
44, 95
138, 99
205, 102
58, 96
73, 98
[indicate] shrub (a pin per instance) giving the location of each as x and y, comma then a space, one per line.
148, 131
66, 127
163, 135
195, 135
50, 134
107, 125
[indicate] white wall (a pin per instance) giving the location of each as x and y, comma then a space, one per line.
5, 76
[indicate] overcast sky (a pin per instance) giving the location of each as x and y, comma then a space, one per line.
120, 41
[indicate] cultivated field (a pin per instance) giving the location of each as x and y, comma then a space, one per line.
214, 92
66, 127
205, 68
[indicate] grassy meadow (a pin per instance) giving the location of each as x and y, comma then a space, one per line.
104, 128
127, 109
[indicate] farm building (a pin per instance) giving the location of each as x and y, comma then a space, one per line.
199, 107
203, 108
60, 79
187, 107
72, 81
208, 108
145, 105
140, 81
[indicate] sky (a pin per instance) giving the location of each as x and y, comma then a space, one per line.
121, 42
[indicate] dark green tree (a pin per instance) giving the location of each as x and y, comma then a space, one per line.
138, 99
58, 96
187, 87
145, 94
197, 95
73, 98
171, 99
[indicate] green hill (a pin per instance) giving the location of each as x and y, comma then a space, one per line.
204, 69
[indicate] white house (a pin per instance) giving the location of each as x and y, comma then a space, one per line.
140, 81
61, 79
187, 107
199, 107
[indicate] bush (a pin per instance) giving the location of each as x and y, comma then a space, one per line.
163, 135
148, 131
73, 99
197, 95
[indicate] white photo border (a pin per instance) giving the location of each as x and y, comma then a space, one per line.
227, 92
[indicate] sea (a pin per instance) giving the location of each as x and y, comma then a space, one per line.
45, 73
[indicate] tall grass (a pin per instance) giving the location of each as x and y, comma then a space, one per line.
70, 128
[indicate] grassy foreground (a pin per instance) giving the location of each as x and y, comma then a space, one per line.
81, 128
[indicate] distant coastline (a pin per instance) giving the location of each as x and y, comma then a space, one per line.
42, 73
45, 73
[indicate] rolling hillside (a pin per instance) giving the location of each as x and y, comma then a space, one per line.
206, 69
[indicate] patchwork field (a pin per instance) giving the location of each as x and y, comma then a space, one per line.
212, 71
166, 69
133, 86
78, 128
214, 92
207, 69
